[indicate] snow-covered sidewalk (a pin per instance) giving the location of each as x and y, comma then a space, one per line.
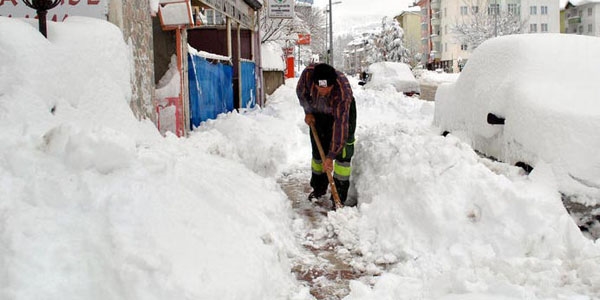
97, 205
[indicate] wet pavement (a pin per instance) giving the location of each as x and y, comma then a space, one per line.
428, 91
587, 217
324, 271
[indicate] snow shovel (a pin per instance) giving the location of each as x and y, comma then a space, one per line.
334, 193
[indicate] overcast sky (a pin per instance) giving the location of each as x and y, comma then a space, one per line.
358, 7
355, 12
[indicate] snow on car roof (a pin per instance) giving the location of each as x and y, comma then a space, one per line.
550, 62
395, 74
545, 86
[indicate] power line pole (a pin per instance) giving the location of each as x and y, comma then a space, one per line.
330, 33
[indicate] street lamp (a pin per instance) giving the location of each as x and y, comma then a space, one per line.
330, 50
496, 11
42, 7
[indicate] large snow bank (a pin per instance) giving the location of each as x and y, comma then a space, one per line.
97, 205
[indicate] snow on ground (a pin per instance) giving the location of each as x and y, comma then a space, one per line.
96, 205
435, 78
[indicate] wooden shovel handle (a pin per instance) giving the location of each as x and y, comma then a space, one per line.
334, 192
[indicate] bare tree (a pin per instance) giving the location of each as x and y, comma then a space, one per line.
413, 51
307, 20
314, 20
484, 19
273, 29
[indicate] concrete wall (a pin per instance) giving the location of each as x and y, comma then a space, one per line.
273, 80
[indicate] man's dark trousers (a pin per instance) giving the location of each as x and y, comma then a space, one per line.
342, 167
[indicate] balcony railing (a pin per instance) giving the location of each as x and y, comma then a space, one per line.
574, 20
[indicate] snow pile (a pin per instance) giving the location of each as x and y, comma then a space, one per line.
97, 205
438, 222
436, 78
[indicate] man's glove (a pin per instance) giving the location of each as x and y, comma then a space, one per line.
328, 165
309, 119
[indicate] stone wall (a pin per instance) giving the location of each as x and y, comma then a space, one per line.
134, 19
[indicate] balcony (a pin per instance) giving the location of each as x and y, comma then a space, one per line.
436, 4
574, 20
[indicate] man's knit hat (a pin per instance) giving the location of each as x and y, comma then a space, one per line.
324, 75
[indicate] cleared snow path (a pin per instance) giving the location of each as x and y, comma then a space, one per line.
325, 268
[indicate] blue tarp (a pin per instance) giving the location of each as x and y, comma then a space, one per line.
211, 90
248, 85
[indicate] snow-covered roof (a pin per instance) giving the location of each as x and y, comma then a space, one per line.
207, 55
272, 57
412, 9
563, 3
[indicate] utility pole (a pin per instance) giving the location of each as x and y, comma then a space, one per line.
330, 33
496, 12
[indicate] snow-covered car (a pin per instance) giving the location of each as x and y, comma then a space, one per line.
380, 75
531, 100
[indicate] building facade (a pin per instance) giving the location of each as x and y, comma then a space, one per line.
442, 46
410, 21
583, 19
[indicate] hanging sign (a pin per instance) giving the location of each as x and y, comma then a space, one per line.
281, 9
303, 39
175, 13
87, 8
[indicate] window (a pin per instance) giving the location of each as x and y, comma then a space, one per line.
543, 10
474, 9
590, 28
533, 10
446, 29
580, 29
464, 10
445, 47
544, 27
214, 17
513, 9
464, 47
494, 9
445, 12
532, 28
589, 11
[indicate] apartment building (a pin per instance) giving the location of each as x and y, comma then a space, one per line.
443, 46
410, 21
583, 17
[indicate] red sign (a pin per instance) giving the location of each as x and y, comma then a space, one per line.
303, 39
